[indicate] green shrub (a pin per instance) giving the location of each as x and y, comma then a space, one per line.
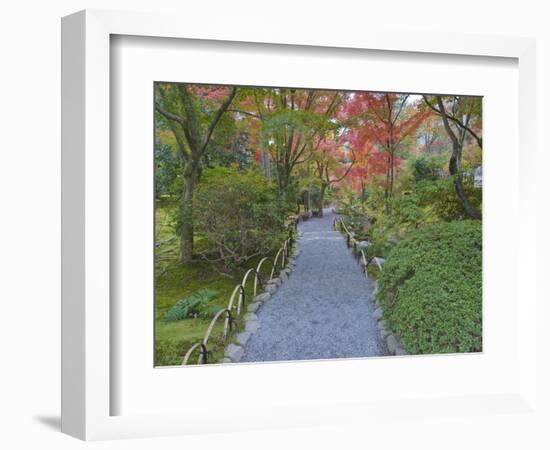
426, 167
385, 230
167, 171
197, 303
431, 288
354, 212
381, 237
441, 198
239, 213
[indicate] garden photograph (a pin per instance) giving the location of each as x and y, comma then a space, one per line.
298, 223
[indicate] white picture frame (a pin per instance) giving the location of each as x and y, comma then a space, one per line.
86, 220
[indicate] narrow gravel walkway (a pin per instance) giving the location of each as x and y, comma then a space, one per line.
323, 310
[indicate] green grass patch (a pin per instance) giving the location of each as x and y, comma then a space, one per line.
175, 281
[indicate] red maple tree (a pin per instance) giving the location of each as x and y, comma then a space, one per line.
380, 123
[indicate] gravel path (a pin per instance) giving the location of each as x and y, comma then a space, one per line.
323, 310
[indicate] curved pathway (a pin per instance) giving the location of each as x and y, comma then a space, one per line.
323, 310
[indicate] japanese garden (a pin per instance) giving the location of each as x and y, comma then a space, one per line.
301, 223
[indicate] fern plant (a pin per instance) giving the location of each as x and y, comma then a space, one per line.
196, 304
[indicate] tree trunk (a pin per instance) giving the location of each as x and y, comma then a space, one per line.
456, 172
186, 217
283, 176
392, 173
189, 130
387, 188
455, 168
322, 199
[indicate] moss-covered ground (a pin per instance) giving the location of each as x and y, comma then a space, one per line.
174, 281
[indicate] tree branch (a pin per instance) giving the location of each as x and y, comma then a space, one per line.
446, 124
401, 107
169, 115
337, 180
332, 104
478, 139
239, 111
217, 118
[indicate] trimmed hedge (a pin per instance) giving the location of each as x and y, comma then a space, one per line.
431, 288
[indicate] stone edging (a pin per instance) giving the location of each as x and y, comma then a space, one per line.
235, 350
390, 340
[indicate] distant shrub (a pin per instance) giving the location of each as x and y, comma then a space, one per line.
386, 230
167, 171
240, 214
381, 241
431, 288
426, 168
354, 212
441, 198
197, 303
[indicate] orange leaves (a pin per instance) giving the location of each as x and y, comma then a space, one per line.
379, 123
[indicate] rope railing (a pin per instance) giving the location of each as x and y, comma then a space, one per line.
255, 286
202, 354
351, 242
265, 259
364, 262
237, 300
230, 306
339, 223
226, 330
275, 262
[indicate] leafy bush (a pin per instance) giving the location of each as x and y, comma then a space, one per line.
426, 168
240, 214
196, 304
167, 171
406, 211
385, 230
431, 288
440, 197
354, 212
429, 201
381, 239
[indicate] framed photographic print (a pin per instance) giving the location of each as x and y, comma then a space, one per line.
253, 188
312, 225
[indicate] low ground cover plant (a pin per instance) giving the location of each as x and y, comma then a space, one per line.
431, 288
197, 304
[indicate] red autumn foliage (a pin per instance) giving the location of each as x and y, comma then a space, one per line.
209, 92
380, 123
